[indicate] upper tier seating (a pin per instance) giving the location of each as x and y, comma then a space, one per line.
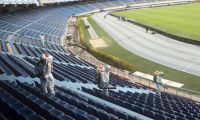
108, 3
31, 24
19, 2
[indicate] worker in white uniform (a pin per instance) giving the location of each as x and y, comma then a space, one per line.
158, 82
105, 77
47, 80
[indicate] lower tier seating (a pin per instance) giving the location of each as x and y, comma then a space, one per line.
164, 107
26, 101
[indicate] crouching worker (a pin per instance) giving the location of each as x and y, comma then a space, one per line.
44, 70
102, 78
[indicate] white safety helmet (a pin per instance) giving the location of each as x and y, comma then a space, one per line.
50, 59
107, 68
161, 73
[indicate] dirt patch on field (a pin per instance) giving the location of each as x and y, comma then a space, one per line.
98, 43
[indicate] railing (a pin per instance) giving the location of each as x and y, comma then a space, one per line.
195, 95
183, 92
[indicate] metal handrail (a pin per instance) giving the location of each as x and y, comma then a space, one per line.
186, 93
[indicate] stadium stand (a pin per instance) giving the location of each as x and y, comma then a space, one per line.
19, 2
157, 107
20, 94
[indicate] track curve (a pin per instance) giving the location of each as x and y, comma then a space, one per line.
154, 47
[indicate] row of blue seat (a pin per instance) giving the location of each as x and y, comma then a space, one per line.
12, 108
39, 106
65, 105
4, 46
60, 56
61, 71
52, 26
27, 49
22, 69
151, 105
18, 71
58, 52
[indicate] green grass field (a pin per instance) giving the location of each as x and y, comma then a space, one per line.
191, 82
182, 20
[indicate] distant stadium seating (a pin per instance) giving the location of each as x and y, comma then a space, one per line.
19, 2
99, 4
20, 49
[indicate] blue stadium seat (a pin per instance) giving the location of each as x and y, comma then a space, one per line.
66, 117
90, 117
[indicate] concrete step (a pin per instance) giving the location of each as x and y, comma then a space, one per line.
14, 49
10, 50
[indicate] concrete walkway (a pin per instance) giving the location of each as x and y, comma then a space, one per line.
90, 29
164, 81
154, 47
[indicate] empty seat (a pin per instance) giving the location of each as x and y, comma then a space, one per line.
35, 117
57, 114
66, 117
90, 117
113, 117
122, 115
69, 109
159, 117
138, 109
148, 113
103, 115
93, 110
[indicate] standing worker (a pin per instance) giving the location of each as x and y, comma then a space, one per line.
44, 69
42, 40
157, 78
105, 77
